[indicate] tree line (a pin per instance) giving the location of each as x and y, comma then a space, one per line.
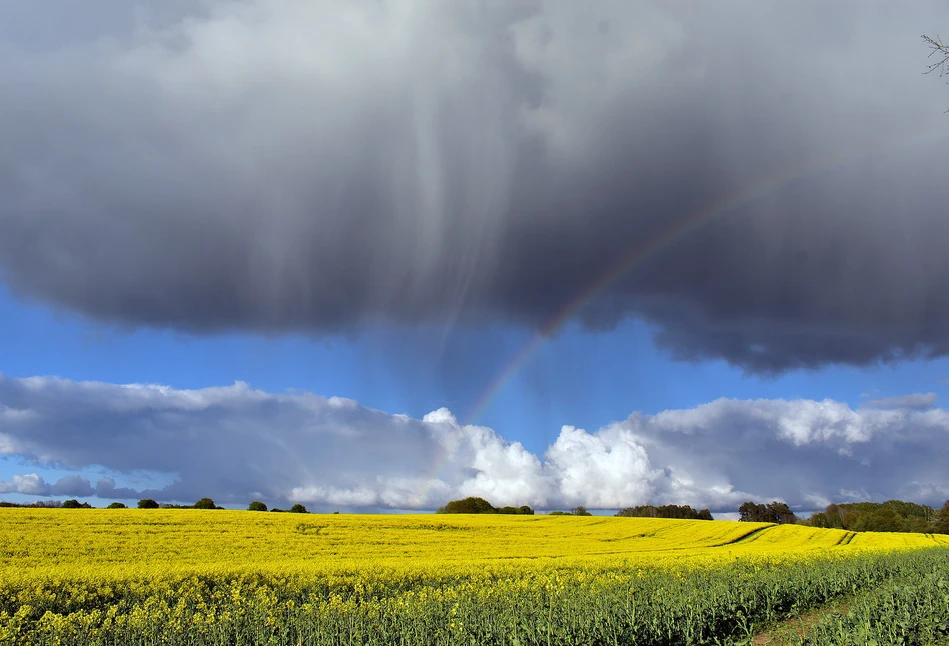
682, 512
889, 516
475, 505
148, 503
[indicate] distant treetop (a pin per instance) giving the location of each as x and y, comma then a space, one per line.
685, 512
774, 512
475, 505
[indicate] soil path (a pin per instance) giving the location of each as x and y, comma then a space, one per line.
790, 631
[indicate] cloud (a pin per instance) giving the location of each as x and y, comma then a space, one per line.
291, 165
33, 484
236, 444
918, 401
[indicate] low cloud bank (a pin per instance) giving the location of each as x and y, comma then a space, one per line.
236, 444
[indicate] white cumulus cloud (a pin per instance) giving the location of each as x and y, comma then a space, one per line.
235, 444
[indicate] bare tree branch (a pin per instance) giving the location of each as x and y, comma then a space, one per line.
941, 51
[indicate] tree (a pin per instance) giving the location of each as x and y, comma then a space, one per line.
46, 504
941, 524
147, 503
71, 504
256, 506
939, 53
298, 509
774, 512
750, 512
116, 505
882, 519
518, 511
685, 512
469, 505
580, 511
779, 512
205, 503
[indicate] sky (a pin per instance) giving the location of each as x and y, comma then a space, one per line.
381, 255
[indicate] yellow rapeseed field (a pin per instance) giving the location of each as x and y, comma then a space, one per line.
229, 577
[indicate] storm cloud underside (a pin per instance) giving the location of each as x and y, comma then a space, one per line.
236, 444
290, 165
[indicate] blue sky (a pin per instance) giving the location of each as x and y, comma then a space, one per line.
575, 378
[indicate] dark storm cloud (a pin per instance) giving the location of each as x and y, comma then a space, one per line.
305, 166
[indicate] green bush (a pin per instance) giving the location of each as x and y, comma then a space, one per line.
469, 505
256, 506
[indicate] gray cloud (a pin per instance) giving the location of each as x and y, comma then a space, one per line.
289, 165
918, 401
237, 444
34, 485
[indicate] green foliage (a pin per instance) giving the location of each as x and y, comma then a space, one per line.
580, 511
774, 512
296, 509
147, 503
71, 504
117, 505
523, 510
204, 503
256, 506
941, 520
474, 505
889, 516
684, 512
560, 513
902, 599
469, 505
44, 504
912, 608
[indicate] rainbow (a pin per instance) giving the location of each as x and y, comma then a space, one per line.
690, 224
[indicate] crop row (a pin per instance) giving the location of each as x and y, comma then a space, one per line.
521, 605
910, 611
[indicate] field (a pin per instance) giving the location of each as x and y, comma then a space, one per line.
223, 577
